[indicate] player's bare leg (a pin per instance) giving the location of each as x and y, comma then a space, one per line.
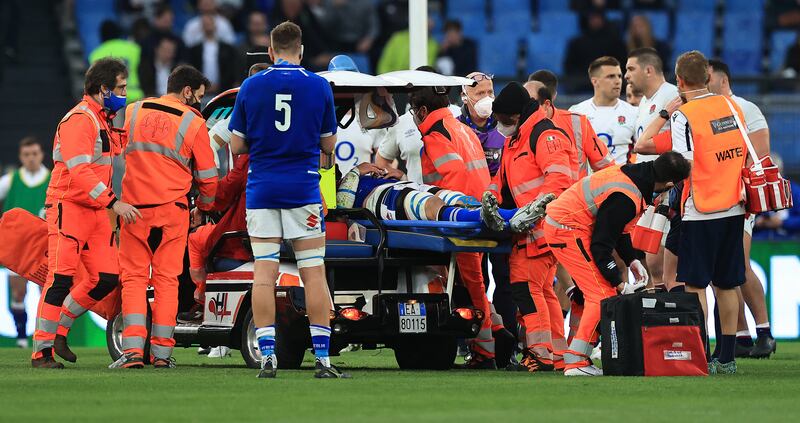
266, 252
753, 295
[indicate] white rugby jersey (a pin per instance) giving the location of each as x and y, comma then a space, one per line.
355, 145
615, 125
648, 110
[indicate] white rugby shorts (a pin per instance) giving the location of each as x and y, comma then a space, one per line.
298, 223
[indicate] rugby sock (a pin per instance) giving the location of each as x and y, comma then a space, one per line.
717, 333
266, 342
763, 330
727, 348
321, 341
744, 338
461, 214
20, 318
507, 214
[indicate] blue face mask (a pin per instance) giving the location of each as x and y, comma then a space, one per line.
113, 102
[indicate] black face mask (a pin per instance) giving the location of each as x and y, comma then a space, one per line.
193, 102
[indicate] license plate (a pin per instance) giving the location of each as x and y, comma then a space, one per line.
413, 318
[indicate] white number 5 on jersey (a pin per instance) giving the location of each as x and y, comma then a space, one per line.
282, 105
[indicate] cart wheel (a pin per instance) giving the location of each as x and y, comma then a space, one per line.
290, 344
114, 337
249, 348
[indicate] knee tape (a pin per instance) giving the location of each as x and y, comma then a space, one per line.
266, 251
455, 198
414, 205
312, 257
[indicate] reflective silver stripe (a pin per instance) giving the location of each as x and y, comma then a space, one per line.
477, 164
206, 199
449, 157
433, 177
103, 160
535, 235
66, 321
484, 340
160, 351
45, 325
77, 160
581, 347
605, 161
578, 133
135, 111
589, 194
205, 174
57, 153
73, 306
538, 337
570, 358
97, 190
155, 148
131, 342
552, 222
182, 128
42, 345
556, 168
493, 187
527, 186
134, 320
162, 331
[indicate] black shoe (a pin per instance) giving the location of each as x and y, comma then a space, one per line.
477, 361
62, 349
765, 346
331, 372
532, 362
194, 315
46, 362
743, 351
268, 370
164, 363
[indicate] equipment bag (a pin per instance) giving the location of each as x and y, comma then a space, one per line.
765, 188
653, 334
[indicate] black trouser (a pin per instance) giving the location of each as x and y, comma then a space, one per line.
502, 300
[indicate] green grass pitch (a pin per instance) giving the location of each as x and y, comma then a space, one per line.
223, 390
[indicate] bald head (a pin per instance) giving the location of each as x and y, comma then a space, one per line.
533, 88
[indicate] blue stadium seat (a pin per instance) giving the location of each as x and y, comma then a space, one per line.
94, 6
784, 127
779, 44
473, 23
693, 31
460, 7
89, 28
744, 5
518, 24
659, 20
553, 5
696, 5
521, 7
497, 53
546, 51
742, 41
560, 24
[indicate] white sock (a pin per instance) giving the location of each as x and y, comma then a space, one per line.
763, 326
743, 333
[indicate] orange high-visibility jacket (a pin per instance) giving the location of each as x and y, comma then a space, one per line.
577, 207
536, 161
719, 154
590, 150
83, 148
452, 156
167, 146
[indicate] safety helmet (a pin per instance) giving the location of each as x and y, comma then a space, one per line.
342, 62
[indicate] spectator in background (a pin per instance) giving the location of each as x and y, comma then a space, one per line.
141, 31
155, 69
583, 6
781, 223
162, 26
783, 14
131, 10
633, 96
458, 54
113, 45
640, 34
193, 33
214, 57
598, 39
392, 17
316, 50
256, 39
791, 64
352, 25
395, 54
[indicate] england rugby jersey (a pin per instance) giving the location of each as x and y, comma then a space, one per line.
615, 125
355, 145
648, 110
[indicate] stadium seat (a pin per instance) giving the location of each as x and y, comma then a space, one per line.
553, 5
696, 5
89, 29
457, 8
560, 24
517, 24
693, 31
784, 127
745, 5
546, 51
779, 44
659, 20
497, 53
473, 23
520, 7
742, 41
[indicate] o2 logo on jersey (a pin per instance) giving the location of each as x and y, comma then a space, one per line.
609, 141
346, 151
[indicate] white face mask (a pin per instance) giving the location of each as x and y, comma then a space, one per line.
506, 130
483, 107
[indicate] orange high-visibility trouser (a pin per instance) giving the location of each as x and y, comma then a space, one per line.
75, 234
158, 239
532, 286
469, 267
571, 248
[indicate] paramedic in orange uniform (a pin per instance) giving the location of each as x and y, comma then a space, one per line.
78, 226
591, 220
452, 158
167, 147
536, 162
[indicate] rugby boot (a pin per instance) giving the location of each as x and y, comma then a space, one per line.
532, 362
589, 370
764, 347
194, 315
268, 369
477, 361
717, 368
742, 351
62, 349
329, 372
526, 216
164, 363
46, 361
489, 215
